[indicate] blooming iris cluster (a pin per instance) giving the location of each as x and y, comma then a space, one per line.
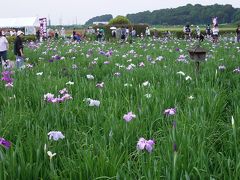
64, 93
170, 112
55, 135
33, 45
7, 78
92, 102
182, 58
129, 116
145, 144
107, 54
90, 77
237, 70
221, 68
55, 58
100, 85
5, 143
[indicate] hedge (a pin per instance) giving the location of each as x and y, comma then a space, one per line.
27, 38
180, 34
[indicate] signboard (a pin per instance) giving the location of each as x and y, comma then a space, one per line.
43, 27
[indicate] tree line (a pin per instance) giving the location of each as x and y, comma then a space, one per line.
191, 14
103, 18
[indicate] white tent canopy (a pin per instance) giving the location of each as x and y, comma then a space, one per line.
19, 22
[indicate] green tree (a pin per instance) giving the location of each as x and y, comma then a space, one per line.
119, 20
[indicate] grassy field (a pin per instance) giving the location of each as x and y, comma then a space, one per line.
198, 141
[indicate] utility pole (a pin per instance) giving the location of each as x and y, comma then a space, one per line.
49, 21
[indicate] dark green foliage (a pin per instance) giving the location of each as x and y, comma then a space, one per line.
27, 38
194, 14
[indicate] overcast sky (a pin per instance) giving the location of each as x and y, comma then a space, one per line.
72, 11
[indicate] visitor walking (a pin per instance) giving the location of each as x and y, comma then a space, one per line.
63, 34
147, 32
187, 32
127, 33
18, 50
123, 34
215, 30
99, 35
238, 33
56, 34
134, 33
3, 47
208, 31
198, 32
38, 35
74, 34
114, 33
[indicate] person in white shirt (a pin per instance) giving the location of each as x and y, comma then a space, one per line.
127, 34
147, 32
215, 34
63, 34
3, 47
198, 32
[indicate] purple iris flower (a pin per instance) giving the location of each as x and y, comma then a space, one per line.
5, 143
145, 144
170, 112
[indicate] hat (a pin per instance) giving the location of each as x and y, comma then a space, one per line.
19, 33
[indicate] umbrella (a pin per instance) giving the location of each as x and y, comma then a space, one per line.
113, 28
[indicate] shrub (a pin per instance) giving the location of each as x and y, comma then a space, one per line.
27, 38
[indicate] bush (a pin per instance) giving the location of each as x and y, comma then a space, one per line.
119, 20
27, 38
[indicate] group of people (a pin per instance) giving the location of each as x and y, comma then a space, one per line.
53, 33
18, 49
124, 33
210, 33
77, 37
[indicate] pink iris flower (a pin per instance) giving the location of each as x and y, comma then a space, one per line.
145, 144
129, 116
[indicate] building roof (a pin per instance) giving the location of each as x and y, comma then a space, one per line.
19, 22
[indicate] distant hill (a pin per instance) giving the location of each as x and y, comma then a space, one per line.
103, 18
193, 14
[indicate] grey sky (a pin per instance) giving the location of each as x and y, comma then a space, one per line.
70, 11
